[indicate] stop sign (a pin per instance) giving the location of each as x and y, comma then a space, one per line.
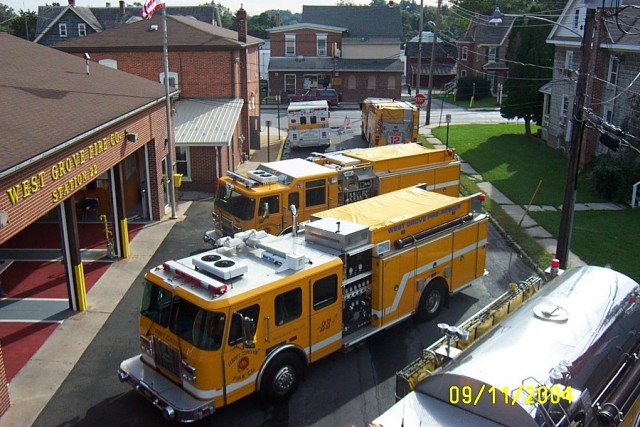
420, 99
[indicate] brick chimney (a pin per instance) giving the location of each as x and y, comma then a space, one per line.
72, 3
122, 7
277, 18
241, 19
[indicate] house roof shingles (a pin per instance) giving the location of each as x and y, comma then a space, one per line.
53, 100
109, 17
361, 21
181, 32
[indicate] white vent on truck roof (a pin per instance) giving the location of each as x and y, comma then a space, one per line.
262, 177
220, 266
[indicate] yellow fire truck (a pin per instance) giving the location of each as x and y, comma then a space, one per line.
250, 315
259, 199
388, 121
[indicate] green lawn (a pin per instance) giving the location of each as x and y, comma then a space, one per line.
602, 237
515, 165
477, 103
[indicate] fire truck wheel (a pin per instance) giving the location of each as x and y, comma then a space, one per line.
432, 299
281, 377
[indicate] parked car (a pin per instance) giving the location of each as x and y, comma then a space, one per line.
329, 95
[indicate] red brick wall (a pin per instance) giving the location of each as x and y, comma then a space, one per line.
202, 74
305, 42
4, 389
43, 185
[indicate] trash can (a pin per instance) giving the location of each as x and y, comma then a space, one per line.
177, 180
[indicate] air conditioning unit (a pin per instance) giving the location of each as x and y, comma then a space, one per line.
220, 266
263, 177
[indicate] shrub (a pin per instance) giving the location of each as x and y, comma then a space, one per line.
465, 88
614, 175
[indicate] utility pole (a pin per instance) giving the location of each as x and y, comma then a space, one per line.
433, 60
420, 46
576, 131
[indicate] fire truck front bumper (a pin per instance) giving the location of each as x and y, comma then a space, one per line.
175, 403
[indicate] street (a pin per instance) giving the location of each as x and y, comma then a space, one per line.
342, 389
344, 137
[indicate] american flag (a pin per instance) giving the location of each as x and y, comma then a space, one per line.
150, 6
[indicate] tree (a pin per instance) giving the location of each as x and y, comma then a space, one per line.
6, 15
530, 66
258, 25
227, 18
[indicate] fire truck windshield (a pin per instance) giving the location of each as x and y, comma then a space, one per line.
191, 323
234, 203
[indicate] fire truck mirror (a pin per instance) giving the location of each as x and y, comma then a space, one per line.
248, 331
264, 211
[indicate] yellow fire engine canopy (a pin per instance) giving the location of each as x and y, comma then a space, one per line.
401, 213
401, 156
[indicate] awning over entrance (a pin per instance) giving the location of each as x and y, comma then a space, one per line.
206, 122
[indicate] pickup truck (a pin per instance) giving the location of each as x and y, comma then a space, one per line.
330, 95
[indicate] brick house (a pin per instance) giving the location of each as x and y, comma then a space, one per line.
340, 47
482, 50
612, 86
216, 117
57, 24
444, 64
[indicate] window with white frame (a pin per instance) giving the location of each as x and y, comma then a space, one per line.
290, 45
351, 82
183, 166
391, 82
290, 83
371, 82
614, 66
82, 30
564, 109
62, 29
111, 63
492, 54
608, 115
249, 64
465, 53
463, 73
321, 44
568, 60
173, 79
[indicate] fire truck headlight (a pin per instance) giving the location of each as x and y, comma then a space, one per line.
188, 372
145, 345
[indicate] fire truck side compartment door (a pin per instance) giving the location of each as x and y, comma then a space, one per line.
398, 285
465, 256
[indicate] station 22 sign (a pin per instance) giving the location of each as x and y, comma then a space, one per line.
63, 173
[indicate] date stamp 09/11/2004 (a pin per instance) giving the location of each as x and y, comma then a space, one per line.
530, 394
